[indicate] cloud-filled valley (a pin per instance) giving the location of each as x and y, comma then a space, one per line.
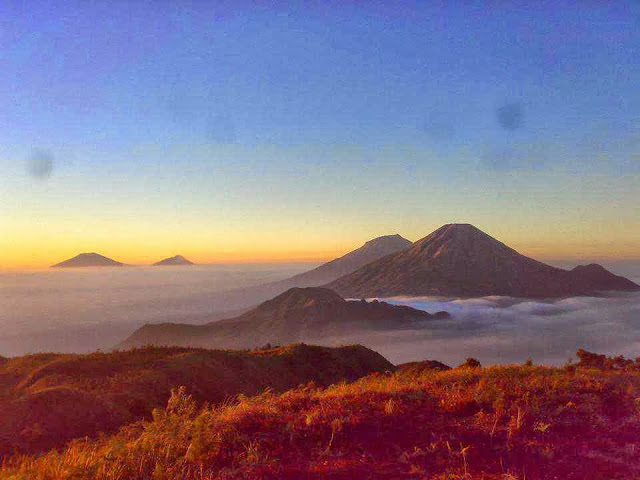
506, 330
88, 310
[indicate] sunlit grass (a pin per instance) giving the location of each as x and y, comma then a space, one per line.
511, 422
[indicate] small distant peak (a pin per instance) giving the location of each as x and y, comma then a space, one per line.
88, 259
175, 260
395, 238
593, 267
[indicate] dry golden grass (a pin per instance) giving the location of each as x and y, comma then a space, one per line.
49, 399
510, 422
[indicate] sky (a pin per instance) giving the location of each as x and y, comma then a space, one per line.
242, 132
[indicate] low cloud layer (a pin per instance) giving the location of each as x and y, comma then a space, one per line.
87, 309
81, 311
510, 330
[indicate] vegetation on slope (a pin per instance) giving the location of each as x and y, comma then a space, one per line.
511, 422
48, 399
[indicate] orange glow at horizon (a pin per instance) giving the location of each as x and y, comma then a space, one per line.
33, 255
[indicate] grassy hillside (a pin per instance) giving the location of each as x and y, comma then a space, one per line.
510, 422
48, 399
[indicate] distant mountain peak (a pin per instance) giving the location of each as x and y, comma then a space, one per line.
368, 252
175, 260
387, 239
394, 239
88, 259
462, 260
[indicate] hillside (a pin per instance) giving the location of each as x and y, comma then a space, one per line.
88, 260
372, 250
462, 261
48, 399
309, 314
177, 260
497, 423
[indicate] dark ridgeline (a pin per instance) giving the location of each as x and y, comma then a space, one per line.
309, 314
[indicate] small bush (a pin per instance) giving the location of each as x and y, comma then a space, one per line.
471, 362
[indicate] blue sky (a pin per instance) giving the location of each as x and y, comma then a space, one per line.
334, 108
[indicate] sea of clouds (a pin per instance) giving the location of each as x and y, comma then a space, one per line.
85, 310
82, 310
499, 330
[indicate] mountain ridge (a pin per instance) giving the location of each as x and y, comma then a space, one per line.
240, 298
308, 314
461, 260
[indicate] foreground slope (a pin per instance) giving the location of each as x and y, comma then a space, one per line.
310, 314
88, 260
461, 260
47, 399
498, 423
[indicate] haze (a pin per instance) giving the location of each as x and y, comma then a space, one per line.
84, 310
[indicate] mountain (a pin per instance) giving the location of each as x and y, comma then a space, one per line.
309, 314
461, 260
48, 399
173, 261
325, 273
372, 250
88, 260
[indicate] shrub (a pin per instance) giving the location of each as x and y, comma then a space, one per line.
470, 362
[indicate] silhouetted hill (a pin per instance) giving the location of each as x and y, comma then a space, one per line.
88, 260
599, 278
309, 314
370, 251
173, 261
461, 260
48, 399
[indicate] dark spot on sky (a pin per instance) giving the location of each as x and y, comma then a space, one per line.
510, 116
40, 165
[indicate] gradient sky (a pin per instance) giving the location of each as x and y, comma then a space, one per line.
231, 131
